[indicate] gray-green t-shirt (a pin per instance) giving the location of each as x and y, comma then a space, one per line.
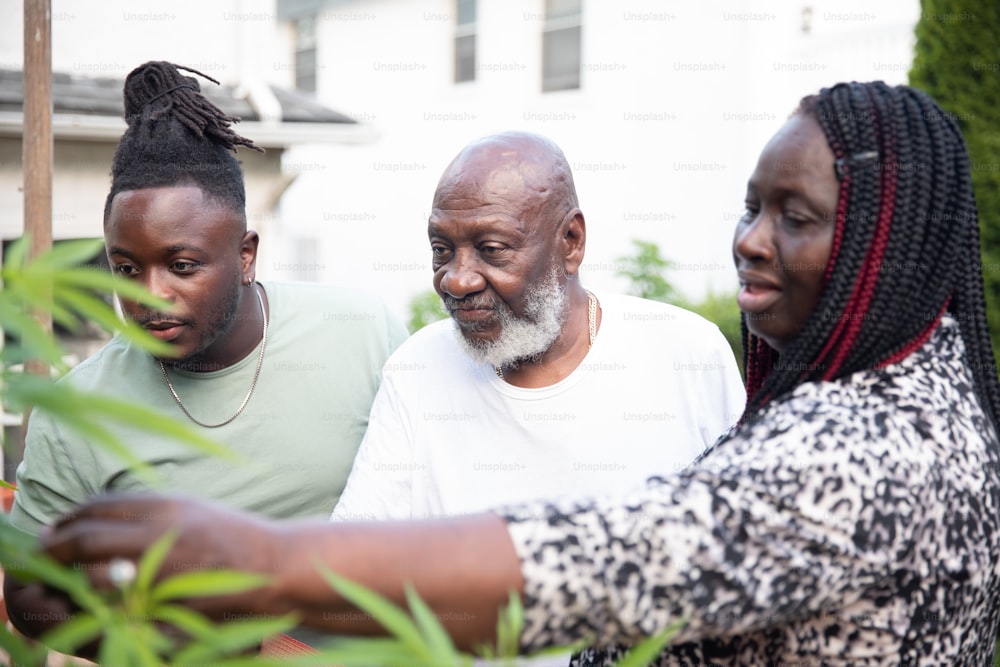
298, 433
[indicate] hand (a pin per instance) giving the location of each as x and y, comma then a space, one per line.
207, 537
35, 608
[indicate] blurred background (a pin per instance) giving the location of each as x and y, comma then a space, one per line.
660, 106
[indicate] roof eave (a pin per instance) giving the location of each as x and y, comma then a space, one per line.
86, 127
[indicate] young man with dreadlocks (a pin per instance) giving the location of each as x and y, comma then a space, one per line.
283, 374
851, 518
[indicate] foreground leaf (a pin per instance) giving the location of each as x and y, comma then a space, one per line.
435, 637
647, 651
207, 583
71, 635
232, 638
383, 611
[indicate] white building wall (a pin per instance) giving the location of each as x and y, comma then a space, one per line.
677, 99
222, 38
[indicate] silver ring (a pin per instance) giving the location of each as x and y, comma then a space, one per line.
121, 572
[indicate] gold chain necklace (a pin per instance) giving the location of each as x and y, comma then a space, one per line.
591, 322
256, 374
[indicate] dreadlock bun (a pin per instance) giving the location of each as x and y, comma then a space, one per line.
176, 136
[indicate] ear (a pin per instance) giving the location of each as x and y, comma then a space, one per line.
574, 241
248, 255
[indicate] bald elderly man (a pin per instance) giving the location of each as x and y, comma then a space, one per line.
536, 386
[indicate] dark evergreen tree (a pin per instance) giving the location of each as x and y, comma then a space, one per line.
957, 61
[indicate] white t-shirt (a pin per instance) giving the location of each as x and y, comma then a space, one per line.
446, 436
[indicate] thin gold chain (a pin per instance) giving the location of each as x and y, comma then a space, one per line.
256, 374
591, 322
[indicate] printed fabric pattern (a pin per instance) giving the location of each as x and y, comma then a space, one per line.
852, 522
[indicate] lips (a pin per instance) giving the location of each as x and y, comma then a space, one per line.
471, 310
166, 331
472, 315
757, 293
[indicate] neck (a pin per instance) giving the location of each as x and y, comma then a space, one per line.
566, 353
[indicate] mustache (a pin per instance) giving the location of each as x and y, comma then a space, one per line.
477, 302
145, 318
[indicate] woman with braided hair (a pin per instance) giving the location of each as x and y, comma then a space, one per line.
852, 517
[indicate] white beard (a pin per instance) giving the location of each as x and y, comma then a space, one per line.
525, 338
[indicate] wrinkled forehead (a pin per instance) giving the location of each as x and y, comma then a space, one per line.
497, 175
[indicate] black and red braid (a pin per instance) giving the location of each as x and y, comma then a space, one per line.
905, 246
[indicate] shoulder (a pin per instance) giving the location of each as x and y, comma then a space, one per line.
436, 352
331, 305
664, 325
437, 339
345, 299
116, 358
635, 309
889, 413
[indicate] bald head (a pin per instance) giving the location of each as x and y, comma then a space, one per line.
521, 172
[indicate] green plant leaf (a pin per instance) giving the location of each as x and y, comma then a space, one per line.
250, 661
233, 637
16, 254
100, 280
187, 620
127, 413
71, 635
510, 622
66, 254
646, 651
368, 651
437, 640
21, 652
89, 414
205, 584
16, 321
151, 561
383, 611
115, 647
29, 564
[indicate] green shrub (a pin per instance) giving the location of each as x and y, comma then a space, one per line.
957, 61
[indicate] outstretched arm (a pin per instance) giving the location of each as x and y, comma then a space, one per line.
463, 568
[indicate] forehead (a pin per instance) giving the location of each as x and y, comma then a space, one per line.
476, 222
490, 190
166, 215
798, 153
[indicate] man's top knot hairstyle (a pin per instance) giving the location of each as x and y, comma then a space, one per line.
176, 136
905, 246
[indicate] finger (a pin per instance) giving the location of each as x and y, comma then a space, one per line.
88, 542
121, 506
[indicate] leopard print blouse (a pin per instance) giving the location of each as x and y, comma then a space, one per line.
855, 522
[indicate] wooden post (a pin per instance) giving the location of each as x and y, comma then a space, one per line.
37, 150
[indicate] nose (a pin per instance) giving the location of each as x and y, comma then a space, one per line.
753, 237
461, 276
159, 283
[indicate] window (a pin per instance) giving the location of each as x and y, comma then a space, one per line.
561, 45
305, 53
465, 40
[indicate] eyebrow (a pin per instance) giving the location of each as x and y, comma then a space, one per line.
182, 247
171, 250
